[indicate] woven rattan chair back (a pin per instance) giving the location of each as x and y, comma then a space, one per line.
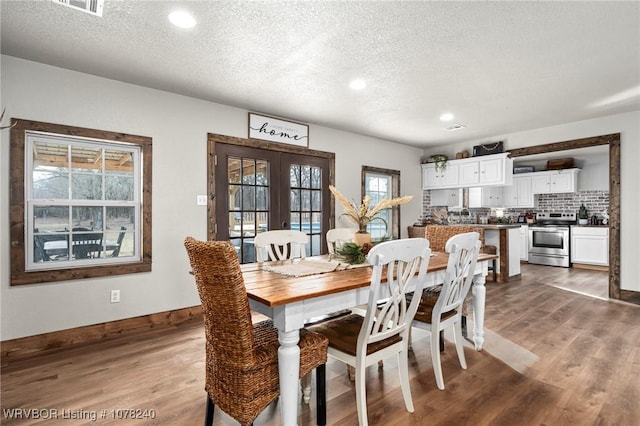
241, 357
438, 235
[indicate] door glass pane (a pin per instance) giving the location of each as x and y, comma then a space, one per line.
316, 197
262, 198
316, 178
233, 169
294, 176
295, 222
306, 200
305, 177
295, 199
248, 171
262, 172
248, 198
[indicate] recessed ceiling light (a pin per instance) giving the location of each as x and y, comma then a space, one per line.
446, 117
358, 84
182, 19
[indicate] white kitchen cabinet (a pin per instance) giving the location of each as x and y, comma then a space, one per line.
524, 242
437, 179
469, 172
487, 196
487, 170
590, 245
555, 181
446, 197
519, 194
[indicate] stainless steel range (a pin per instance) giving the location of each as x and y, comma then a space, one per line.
549, 239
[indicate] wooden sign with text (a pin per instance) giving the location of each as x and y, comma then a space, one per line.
277, 130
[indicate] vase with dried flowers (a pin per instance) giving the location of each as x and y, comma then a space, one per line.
363, 214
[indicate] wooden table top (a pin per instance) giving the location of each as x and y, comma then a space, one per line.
274, 289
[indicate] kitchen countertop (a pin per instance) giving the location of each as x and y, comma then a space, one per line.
490, 226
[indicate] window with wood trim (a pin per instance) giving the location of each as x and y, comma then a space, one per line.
81, 203
380, 184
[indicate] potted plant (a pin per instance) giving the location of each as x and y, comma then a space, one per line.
440, 160
583, 215
363, 214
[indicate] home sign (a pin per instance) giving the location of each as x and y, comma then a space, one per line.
277, 130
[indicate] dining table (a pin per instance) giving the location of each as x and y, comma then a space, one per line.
290, 292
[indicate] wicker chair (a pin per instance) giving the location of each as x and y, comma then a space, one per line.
241, 357
438, 235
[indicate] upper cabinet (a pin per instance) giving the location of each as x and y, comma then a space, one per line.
488, 170
469, 172
554, 181
433, 178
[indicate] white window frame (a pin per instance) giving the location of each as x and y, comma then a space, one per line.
32, 138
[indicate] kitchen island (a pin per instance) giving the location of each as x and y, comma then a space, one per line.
506, 239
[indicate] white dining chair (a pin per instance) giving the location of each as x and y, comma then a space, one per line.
337, 237
363, 341
439, 310
280, 245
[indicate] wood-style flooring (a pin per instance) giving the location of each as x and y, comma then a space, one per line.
552, 357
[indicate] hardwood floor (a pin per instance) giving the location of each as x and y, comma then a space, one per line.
552, 357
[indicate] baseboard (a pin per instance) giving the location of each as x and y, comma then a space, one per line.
592, 267
32, 345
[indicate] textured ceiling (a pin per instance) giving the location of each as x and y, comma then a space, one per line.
499, 67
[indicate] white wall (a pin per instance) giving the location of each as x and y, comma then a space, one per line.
179, 127
628, 125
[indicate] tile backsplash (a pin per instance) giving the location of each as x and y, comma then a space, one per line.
596, 202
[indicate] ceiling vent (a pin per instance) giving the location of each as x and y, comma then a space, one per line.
455, 127
93, 7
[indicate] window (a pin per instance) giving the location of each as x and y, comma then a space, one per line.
82, 203
379, 184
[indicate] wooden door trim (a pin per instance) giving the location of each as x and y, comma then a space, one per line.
213, 138
613, 140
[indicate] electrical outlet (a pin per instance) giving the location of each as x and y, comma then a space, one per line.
201, 200
115, 296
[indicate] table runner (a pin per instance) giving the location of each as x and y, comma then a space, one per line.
306, 267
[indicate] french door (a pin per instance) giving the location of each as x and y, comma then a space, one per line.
258, 189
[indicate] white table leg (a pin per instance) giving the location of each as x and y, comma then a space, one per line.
289, 370
478, 292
